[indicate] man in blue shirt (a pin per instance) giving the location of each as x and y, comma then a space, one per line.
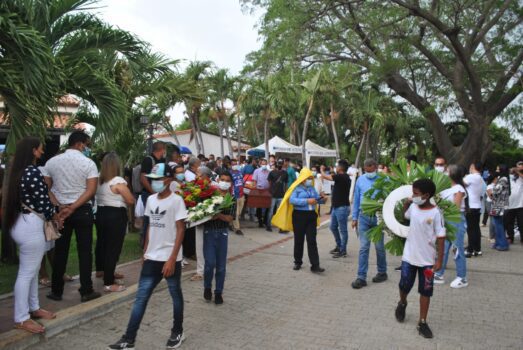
363, 223
238, 194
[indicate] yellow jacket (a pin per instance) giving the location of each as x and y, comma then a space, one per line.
283, 217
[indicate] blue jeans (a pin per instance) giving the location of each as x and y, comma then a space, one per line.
275, 203
338, 226
365, 223
460, 259
501, 239
215, 254
150, 276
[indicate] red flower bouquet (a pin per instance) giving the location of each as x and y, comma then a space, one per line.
197, 191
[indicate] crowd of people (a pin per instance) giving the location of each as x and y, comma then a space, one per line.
72, 192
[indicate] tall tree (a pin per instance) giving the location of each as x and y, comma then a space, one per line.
458, 59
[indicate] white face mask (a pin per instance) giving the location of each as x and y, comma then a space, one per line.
439, 168
224, 185
418, 200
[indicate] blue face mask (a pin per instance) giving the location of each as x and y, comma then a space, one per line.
308, 183
180, 177
87, 152
158, 186
371, 175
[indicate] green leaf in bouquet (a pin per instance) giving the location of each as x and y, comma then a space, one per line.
395, 245
441, 180
375, 233
400, 173
370, 206
451, 231
451, 213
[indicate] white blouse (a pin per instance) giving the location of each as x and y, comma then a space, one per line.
107, 198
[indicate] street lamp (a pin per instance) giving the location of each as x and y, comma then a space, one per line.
144, 121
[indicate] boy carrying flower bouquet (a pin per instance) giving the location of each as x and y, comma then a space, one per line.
426, 233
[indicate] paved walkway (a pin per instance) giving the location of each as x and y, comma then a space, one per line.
270, 306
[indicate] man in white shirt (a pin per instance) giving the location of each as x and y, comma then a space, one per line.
476, 190
515, 204
73, 178
192, 169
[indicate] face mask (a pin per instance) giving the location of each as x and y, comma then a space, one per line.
308, 182
87, 152
314, 173
236, 167
380, 170
371, 175
418, 200
180, 177
158, 186
439, 168
264, 167
224, 186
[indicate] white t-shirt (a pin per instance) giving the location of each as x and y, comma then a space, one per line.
516, 195
107, 198
449, 193
425, 227
69, 172
189, 176
163, 214
475, 189
318, 184
489, 188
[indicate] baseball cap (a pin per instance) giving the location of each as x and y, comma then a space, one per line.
159, 171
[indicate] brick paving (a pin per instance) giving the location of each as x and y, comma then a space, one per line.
270, 306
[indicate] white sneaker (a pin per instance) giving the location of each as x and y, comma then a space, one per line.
459, 283
439, 279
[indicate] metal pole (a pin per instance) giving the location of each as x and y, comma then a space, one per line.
150, 130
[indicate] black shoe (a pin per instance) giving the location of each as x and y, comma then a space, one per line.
268, 229
218, 299
260, 224
339, 255
359, 283
121, 344
239, 232
397, 268
317, 269
296, 267
478, 253
175, 340
468, 254
54, 296
380, 277
424, 329
400, 311
282, 231
207, 294
91, 296
335, 251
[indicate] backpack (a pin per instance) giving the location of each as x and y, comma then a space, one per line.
136, 176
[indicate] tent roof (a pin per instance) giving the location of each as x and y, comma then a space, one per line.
315, 150
279, 145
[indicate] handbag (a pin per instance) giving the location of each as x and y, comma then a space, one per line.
51, 230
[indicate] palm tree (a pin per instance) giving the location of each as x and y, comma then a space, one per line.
310, 88
220, 91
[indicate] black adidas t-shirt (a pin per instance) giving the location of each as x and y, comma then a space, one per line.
341, 190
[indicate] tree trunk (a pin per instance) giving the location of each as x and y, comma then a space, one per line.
220, 130
195, 131
335, 132
305, 129
266, 135
476, 146
199, 130
358, 155
239, 136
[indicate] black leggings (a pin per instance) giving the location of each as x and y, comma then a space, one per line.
304, 223
111, 225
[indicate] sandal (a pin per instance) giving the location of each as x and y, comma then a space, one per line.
68, 278
30, 326
114, 288
44, 282
196, 277
43, 314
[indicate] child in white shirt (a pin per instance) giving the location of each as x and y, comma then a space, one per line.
426, 239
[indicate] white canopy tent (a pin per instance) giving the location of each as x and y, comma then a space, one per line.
314, 150
278, 145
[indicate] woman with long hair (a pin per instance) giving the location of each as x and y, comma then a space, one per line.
457, 194
29, 205
500, 197
112, 197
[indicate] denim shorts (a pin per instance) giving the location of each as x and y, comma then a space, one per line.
408, 276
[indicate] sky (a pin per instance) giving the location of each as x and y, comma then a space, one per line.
215, 30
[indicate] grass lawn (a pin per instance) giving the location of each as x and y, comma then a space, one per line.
130, 251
